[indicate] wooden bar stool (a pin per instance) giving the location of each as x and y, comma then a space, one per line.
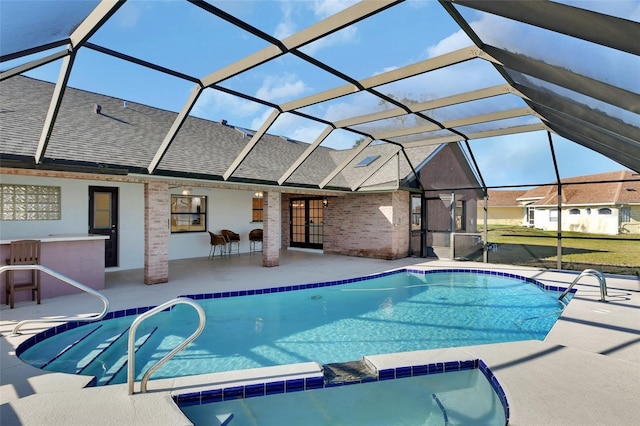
23, 252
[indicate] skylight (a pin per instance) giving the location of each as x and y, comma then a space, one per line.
368, 160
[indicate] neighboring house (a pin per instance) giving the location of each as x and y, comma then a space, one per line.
340, 201
503, 208
610, 205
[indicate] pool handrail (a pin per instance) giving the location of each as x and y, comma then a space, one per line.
602, 281
132, 338
67, 280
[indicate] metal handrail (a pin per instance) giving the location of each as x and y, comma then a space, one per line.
65, 279
132, 338
594, 273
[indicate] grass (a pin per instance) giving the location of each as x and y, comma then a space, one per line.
518, 245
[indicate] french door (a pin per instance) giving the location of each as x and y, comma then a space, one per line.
306, 224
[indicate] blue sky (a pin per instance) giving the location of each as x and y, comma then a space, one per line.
180, 36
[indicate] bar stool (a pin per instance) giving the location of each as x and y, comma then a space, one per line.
23, 252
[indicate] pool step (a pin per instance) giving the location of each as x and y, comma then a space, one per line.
71, 346
84, 351
351, 371
99, 350
119, 365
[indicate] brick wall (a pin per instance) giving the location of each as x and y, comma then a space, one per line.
156, 232
271, 228
372, 225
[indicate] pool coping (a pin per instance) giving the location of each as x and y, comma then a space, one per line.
254, 390
588, 360
54, 330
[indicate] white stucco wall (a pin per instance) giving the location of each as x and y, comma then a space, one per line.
75, 216
226, 209
587, 222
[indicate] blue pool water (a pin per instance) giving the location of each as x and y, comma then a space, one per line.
326, 323
463, 397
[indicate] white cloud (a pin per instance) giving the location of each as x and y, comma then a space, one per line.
214, 105
325, 8
286, 26
455, 41
129, 15
281, 88
344, 36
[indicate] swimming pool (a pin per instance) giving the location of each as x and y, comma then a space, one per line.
397, 311
452, 393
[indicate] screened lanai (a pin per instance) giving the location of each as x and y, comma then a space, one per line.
568, 68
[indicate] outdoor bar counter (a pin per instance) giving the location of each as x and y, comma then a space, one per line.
76, 256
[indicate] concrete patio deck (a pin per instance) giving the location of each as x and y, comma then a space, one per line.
586, 371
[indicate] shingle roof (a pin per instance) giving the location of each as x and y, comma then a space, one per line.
506, 198
128, 136
602, 191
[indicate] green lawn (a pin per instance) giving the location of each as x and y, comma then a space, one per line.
517, 245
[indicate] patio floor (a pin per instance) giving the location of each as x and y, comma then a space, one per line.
586, 371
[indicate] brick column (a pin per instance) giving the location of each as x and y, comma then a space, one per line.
156, 233
271, 229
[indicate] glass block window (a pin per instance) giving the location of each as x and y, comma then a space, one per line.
30, 202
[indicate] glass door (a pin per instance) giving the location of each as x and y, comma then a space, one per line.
306, 225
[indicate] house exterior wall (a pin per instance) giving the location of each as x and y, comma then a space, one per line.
501, 215
448, 169
633, 226
75, 213
227, 208
588, 221
372, 225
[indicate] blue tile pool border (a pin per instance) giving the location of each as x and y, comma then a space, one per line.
37, 338
317, 382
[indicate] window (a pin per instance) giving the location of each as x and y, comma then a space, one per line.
461, 221
588, 210
604, 210
553, 215
30, 202
257, 206
188, 213
416, 213
574, 211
